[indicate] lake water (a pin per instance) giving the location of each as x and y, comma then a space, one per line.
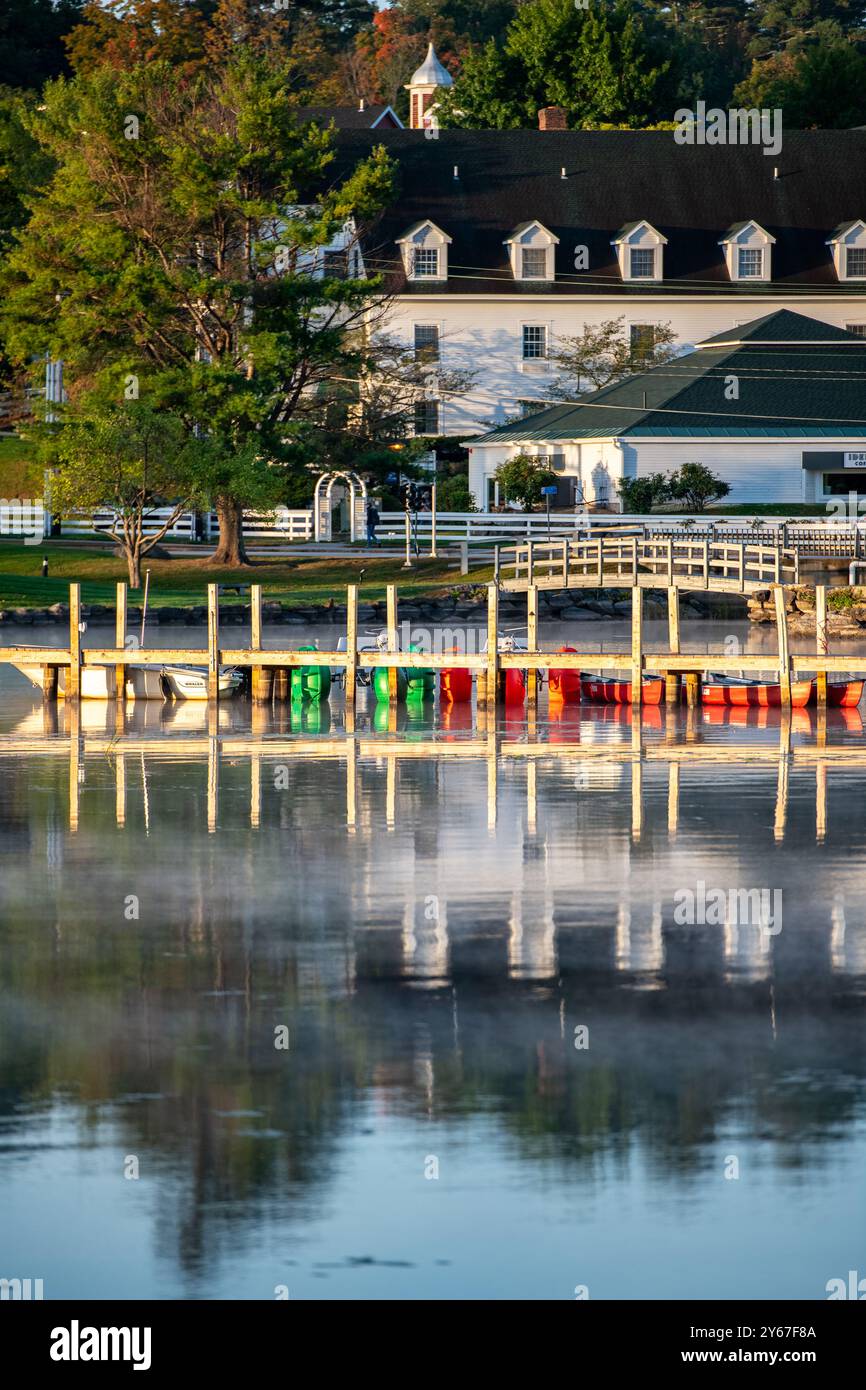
511, 1069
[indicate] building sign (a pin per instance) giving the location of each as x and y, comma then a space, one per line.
855, 460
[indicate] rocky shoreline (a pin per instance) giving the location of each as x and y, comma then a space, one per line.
464, 606
846, 616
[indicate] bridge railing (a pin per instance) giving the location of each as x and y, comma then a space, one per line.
693, 562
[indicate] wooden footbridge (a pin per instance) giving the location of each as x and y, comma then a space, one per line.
625, 565
702, 563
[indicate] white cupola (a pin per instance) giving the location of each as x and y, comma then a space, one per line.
422, 87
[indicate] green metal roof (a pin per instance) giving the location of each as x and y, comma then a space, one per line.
795, 376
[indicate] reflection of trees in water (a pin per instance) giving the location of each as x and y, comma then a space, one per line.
236, 935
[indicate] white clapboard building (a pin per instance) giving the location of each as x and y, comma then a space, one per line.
498, 243
775, 408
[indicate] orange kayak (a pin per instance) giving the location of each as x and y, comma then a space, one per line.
750, 695
619, 692
840, 694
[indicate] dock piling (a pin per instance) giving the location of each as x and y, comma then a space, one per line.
822, 645
393, 641
257, 682
213, 639
532, 641
784, 650
73, 676
351, 643
636, 646
120, 641
672, 683
492, 672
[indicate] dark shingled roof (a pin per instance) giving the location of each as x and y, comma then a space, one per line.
345, 117
814, 387
691, 194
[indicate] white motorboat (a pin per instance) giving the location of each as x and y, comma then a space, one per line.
142, 682
190, 682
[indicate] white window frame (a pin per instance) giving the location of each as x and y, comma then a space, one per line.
535, 357
533, 237
427, 323
641, 237
748, 251
427, 402
852, 238
426, 236
750, 237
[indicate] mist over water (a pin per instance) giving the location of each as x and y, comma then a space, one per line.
510, 1071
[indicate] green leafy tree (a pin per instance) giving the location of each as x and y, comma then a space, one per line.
182, 260
604, 354
695, 485
617, 64
133, 459
640, 495
822, 86
521, 479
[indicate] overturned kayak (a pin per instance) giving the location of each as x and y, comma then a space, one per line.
753, 694
619, 692
840, 694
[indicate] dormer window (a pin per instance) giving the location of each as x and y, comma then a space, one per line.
640, 251
424, 248
750, 263
855, 262
748, 252
533, 263
425, 263
848, 249
532, 252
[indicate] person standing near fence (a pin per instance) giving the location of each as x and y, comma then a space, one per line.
373, 519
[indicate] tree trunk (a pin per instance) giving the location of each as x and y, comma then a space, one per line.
230, 550
133, 565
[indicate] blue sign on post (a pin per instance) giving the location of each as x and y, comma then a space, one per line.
549, 491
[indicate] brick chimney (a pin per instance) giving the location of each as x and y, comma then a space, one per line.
552, 118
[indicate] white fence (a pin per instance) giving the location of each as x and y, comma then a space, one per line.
280, 524
480, 526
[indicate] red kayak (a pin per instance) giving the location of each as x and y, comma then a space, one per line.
455, 684
840, 694
515, 687
751, 694
564, 683
619, 692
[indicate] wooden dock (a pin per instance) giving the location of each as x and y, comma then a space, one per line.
683, 671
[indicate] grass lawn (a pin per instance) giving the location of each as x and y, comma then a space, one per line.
182, 583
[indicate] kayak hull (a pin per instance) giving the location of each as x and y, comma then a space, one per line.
619, 692
754, 696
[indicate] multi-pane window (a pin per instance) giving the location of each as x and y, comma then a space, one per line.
426, 342
534, 263
336, 265
642, 263
425, 263
858, 329
426, 417
534, 341
855, 261
642, 338
750, 262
